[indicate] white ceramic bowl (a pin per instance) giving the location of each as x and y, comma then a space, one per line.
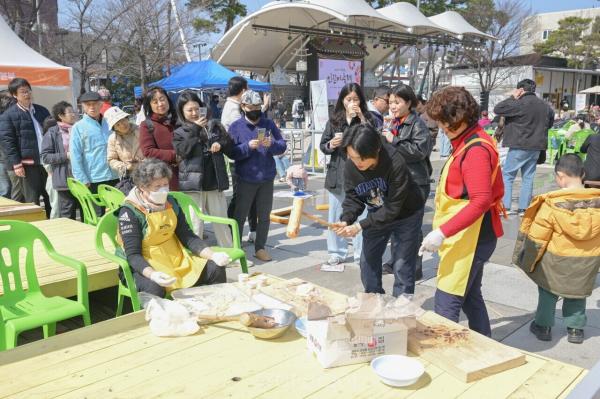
397, 370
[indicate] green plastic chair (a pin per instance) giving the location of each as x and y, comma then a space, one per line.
573, 145
86, 199
110, 196
555, 141
107, 228
186, 202
25, 309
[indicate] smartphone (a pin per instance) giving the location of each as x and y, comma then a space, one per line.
203, 111
261, 134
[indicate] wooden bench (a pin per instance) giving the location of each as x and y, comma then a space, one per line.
74, 239
13, 210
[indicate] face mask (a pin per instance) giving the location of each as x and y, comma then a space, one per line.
159, 197
253, 115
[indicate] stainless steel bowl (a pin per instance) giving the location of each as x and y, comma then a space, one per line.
283, 318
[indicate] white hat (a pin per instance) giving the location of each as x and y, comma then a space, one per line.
113, 115
250, 97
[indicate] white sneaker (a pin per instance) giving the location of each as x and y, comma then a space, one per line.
334, 260
251, 236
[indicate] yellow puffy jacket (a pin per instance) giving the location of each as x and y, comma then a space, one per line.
558, 245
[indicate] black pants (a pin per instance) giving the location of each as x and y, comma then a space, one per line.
262, 195
212, 274
252, 220
67, 204
449, 305
94, 189
34, 186
404, 234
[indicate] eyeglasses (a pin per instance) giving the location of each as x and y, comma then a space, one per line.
383, 99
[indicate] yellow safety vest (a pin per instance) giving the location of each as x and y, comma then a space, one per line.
457, 252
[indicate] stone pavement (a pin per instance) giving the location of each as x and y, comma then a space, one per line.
510, 296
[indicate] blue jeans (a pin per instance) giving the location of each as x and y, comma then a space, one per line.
5, 185
297, 123
445, 146
338, 246
282, 164
405, 237
525, 161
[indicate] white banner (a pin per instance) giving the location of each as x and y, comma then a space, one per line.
580, 100
320, 110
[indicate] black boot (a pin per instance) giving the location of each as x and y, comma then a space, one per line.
575, 335
541, 333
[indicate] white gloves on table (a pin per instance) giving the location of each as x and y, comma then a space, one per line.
432, 242
162, 279
221, 258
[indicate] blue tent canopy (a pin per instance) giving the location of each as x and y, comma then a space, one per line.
206, 74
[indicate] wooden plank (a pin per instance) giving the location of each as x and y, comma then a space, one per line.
465, 354
120, 358
571, 389
549, 382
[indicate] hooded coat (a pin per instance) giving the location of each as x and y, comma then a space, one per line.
558, 245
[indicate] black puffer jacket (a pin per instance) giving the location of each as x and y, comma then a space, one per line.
527, 121
17, 134
413, 142
192, 144
334, 179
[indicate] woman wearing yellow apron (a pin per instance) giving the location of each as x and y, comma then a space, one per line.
160, 247
466, 223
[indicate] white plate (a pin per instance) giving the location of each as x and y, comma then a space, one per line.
397, 370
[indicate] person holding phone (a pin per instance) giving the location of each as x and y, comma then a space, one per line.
201, 143
256, 139
350, 110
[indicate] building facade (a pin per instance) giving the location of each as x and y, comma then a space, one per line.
537, 28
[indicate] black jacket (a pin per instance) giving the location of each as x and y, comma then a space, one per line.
334, 179
192, 144
591, 146
17, 134
54, 154
388, 191
527, 121
414, 143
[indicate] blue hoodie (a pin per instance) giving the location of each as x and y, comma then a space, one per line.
87, 145
255, 166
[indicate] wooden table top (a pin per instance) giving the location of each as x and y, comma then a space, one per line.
74, 239
121, 358
13, 210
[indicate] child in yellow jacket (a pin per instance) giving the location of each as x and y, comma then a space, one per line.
558, 247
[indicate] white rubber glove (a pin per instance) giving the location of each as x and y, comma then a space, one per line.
221, 258
432, 241
162, 279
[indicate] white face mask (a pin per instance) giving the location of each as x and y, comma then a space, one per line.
159, 197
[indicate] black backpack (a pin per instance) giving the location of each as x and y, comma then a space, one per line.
300, 108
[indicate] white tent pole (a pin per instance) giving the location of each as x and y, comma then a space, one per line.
232, 41
181, 33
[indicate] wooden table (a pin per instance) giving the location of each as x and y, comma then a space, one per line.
13, 210
74, 239
121, 358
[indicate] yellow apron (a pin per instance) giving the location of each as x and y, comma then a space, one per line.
165, 253
457, 252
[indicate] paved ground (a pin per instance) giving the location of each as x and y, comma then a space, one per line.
510, 296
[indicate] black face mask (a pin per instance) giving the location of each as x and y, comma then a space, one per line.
253, 115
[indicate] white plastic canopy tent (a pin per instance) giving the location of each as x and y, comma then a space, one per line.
591, 90
51, 82
273, 34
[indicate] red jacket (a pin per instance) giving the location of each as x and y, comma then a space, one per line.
159, 144
469, 178
105, 105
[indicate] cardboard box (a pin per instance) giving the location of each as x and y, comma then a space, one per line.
341, 340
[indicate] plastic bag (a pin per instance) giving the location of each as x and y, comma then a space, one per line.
170, 319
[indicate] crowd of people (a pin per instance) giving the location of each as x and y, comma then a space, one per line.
378, 179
